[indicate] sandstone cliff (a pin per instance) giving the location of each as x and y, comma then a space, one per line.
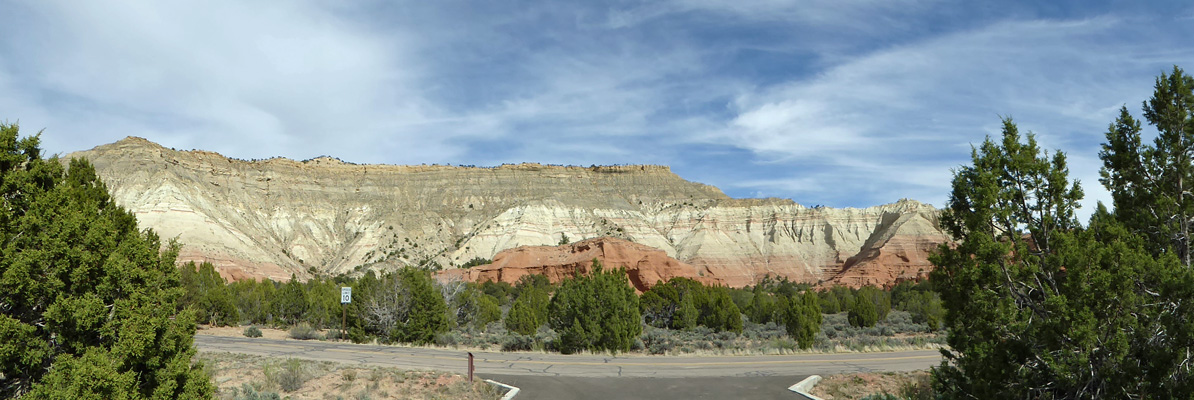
645, 266
272, 218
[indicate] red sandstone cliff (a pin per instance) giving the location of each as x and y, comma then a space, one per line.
645, 265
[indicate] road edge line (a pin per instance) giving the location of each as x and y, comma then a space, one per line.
511, 391
803, 387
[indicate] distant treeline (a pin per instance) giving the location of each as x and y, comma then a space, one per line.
598, 312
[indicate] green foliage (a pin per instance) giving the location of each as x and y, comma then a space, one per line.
475, 262
290, 302
925, 308
323, 303
252, 332
88, 304
472, 308
499, 290
426, 315
289, 375
207, 294
253, 300
304, 331
881, 299
529, 312
529, 281
247, 392
1150, 184
803, 320
1038, 306
683, 303
862, 313
596, 312
719, 312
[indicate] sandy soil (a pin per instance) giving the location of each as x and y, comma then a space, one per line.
857, 386
268, 333
235, 374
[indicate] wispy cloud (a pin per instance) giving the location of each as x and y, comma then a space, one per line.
826, 102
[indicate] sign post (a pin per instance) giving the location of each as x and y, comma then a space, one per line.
345, 298
470, 366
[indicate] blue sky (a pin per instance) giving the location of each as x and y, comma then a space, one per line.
838, 103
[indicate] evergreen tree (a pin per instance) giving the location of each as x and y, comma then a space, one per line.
1152, 185
88, 304
596, 312
427, 315
862, 313
803, 320
207, 292
1038, 306
529, 311
290, 303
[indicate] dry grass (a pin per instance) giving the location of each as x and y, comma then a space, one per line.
237, 374
859, 385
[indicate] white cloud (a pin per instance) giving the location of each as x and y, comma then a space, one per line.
906, 114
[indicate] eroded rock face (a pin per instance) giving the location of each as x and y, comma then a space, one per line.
277, 217
645, 266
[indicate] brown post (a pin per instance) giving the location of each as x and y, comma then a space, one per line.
344, 322
470, 367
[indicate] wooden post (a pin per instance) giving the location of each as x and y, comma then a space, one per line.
470, 367
344, 322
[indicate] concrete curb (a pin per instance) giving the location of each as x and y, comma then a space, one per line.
511, 391
803, 387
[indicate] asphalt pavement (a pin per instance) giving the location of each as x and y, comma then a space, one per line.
594, 376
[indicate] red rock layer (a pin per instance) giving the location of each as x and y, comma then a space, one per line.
645, 266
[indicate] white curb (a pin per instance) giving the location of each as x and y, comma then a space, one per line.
803, 387
511, 391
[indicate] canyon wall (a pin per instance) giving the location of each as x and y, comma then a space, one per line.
277, 217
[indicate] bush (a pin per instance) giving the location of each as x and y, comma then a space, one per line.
596, 312
803, 319
88, 302
247, 392
863, 314
290, 375
517, 342
252, 331
529, 312
304, 331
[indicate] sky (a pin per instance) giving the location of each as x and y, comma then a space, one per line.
826, 102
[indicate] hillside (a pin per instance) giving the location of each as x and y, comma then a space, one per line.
275, 217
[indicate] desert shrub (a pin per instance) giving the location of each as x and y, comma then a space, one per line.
919, 389
247, 392
517, 342
657, 341
304, 331
290, 375
252, 331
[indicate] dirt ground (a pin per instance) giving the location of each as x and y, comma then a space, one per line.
857, 386
239, 375
268, 333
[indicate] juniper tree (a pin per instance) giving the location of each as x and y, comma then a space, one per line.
88, 303
1038, 306
1152, 185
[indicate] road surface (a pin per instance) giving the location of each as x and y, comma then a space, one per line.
577, 365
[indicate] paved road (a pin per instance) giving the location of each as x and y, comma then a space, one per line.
537, 387
588, 366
